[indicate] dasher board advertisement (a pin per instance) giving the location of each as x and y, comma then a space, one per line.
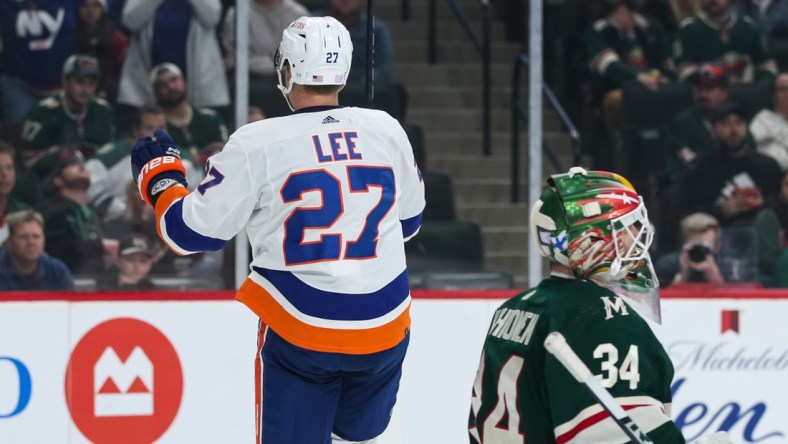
115, 372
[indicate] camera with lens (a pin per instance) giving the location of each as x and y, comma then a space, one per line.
698, 252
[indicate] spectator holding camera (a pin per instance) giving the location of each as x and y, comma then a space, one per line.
696, 261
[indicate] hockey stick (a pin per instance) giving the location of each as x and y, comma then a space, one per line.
555, 343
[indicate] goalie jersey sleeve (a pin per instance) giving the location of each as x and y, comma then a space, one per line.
327, 198
523, 394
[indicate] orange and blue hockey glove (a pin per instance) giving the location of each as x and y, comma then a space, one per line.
156, 166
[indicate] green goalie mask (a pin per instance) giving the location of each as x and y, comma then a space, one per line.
595, 223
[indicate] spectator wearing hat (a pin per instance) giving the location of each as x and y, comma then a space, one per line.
23, 264
732, 182
199, 132
716, 36
688, 135
37, 38
8, 203
181, 32
74, 117
73, 230
769, 128
135, 258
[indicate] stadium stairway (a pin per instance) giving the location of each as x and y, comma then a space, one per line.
445, 99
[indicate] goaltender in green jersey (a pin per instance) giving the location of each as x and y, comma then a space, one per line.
594, 229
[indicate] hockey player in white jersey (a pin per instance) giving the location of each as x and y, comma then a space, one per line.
327, 196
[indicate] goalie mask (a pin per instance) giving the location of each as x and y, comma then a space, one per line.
595, 223
318, 51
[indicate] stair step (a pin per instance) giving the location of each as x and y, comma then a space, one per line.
490, 214
449, 30
450, 52
438, 96
453, 75
445, 152
486, 190
474, 167
469, 120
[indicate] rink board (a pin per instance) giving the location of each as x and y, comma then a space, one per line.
178, 367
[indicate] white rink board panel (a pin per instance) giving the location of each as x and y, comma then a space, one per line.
731, 358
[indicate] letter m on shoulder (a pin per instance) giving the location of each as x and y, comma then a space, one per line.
617, 306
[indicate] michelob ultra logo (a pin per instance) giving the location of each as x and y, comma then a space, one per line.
124, 382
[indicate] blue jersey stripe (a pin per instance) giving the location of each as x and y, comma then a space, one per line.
410, 226
337, 306
183, 236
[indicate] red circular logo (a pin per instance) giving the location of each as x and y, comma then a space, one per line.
124, 383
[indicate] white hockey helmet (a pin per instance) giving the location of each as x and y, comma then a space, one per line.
318, 51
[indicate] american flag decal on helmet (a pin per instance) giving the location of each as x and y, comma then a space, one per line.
317, 78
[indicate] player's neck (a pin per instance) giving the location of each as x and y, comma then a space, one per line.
300, 99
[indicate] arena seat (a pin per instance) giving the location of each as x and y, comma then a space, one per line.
439, 194
445, 246
416, 137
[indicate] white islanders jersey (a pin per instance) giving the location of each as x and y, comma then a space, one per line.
328, 196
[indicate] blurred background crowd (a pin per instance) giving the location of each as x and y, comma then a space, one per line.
684, 97
81, 81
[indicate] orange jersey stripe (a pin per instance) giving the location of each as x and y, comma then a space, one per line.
356, 342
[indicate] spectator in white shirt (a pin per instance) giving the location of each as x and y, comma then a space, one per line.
769, 127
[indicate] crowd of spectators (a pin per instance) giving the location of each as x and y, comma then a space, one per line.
81, 81
710, 163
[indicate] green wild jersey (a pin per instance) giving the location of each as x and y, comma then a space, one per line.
206, 128
522, 394
49, 123
740, 49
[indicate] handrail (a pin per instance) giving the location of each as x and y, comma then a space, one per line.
481, 44
405, 10
520, 111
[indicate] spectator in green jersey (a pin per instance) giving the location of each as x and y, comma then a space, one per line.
74, 117
73, 230
625, 46
716, 36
